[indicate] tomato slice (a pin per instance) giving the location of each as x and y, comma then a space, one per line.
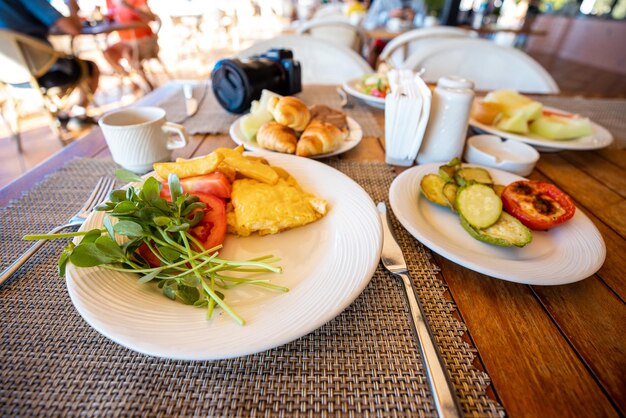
215, 184
547, 112
148, 255
537, 204
211, 230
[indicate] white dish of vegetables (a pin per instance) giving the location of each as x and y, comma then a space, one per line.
568, 253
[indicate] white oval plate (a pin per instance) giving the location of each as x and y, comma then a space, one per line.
355, 135
351, 87
327, 264
599, 138
568, 253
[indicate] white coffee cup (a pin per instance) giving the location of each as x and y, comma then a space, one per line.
139, 137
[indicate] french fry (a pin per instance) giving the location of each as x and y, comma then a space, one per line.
256, 158
228, 171
282, 173
222, 167
246, 167
189, 168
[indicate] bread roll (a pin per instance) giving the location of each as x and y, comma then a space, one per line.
277, 137
319, 138
291, 112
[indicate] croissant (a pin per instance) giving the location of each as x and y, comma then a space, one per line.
319, 138
277, 137
291, 112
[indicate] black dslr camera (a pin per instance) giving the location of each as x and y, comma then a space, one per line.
236, 83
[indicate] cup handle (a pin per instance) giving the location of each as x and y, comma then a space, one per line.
174, 128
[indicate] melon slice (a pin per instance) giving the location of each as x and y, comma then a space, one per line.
266, 95
560, 127
251, 123
518, 123
514, 103
259, 114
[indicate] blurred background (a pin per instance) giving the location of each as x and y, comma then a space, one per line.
580, 43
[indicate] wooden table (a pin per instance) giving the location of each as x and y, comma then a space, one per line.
100, 28
103, 28
550, 351
384, 33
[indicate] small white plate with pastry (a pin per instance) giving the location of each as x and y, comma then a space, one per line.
291, 127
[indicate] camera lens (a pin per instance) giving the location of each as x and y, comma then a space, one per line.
237, 83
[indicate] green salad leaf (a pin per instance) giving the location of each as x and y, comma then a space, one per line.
149, 224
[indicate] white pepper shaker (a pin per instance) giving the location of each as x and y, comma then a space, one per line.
449, 117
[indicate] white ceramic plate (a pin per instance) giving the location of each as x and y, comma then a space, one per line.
327, 264
568, 253
599, 138
354, 137
351, 87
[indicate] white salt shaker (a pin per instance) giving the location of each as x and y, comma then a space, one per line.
447, 125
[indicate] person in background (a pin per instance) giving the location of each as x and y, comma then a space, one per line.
355, 10
532, 12
135, 45
35, 18
354, 6
382, 11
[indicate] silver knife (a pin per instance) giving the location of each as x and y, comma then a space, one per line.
446, 401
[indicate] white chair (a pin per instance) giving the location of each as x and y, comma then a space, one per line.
490, 66
23, 60
336, 30
321, 61
402, 46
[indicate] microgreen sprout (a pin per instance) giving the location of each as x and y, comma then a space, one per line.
151, 227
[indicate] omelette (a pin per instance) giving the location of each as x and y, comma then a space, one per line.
271, 208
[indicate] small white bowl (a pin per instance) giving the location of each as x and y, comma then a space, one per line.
504, 154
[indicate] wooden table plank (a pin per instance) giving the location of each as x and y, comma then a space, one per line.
576, 310
212, 142
614, 215
615, 156
607, 173
195, 142
533, 368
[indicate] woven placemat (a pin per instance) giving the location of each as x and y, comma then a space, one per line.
211, 118
365, 362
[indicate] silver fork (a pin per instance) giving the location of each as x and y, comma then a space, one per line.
98, 195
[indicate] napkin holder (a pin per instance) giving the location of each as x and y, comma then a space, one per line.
407, 109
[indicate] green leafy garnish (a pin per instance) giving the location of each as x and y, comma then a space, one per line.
187, 272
